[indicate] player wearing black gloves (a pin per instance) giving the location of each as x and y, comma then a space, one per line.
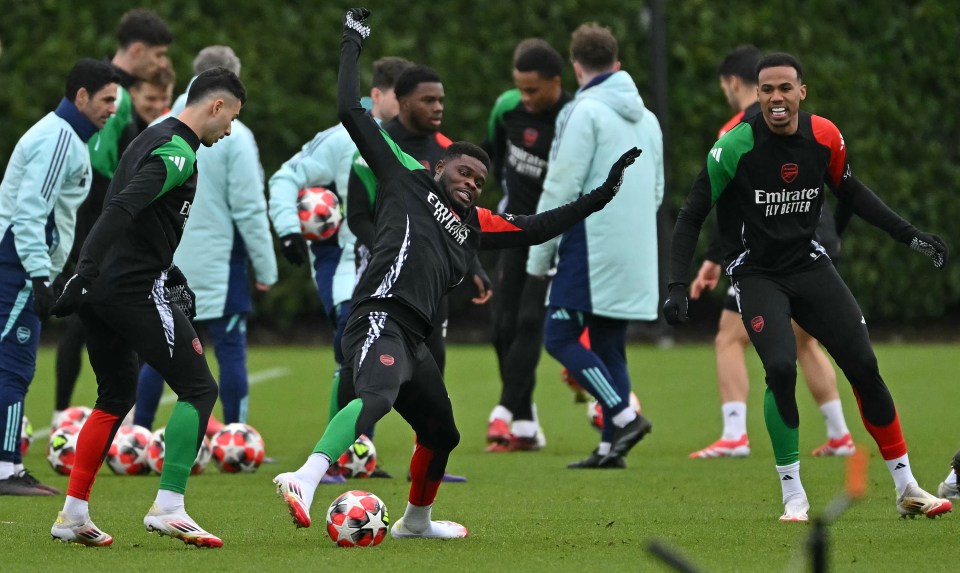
428, 231
769, 173
133, 302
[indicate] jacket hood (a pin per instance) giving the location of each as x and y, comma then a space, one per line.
619, 93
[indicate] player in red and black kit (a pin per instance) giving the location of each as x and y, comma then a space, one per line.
519, 135
769, 172
128, 295
428, 231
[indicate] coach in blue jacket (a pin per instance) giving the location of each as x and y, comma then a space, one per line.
47, 179
606, 266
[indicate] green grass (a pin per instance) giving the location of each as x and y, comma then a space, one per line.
525, 511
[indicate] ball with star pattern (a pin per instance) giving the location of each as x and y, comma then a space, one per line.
357, 519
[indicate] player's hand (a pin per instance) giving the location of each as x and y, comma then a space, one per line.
179, 292
43, 298
675, 307
614, 180
931, 246
484, 289
71, 297
294, 248
355, 21
707, 278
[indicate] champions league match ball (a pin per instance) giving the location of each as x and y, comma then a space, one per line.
359, 460
319, 212
237, 448
73, 415
127, 455
595, 411
357, 519
157, 447
62, 448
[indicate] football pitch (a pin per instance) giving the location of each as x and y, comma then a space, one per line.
526, 511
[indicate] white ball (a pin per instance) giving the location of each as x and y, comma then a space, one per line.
237, 448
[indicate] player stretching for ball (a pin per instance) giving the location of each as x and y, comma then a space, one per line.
428, 231
769, 172
122, 291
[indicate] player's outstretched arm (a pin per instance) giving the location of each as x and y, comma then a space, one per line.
363, 130
501, 231
865, 203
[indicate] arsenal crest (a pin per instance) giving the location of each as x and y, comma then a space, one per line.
756, 323
530, 136
197, 347
788, 172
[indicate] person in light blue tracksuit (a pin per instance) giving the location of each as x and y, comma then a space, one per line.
228, 226
47, 178
606, 266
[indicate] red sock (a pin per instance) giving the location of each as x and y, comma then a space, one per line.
423, 490
889, 438
93, 443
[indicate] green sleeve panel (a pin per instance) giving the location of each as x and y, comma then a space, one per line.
508, 100
179, 159
366, 174
725, 156
104, 145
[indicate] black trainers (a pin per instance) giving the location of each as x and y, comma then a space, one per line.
596, 461
379, 472
31, 481
626, 437
14, 485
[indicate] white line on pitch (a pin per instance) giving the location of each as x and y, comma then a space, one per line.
254, 378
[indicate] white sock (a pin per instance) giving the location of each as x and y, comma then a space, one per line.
625, 416
417, 517
833, 415
604, 448
524, 429
533, 409
901, 472
76, 509
312, 471
951, 478
501, 413
734, 420
169, 501
18, 469
6, 469
790, 480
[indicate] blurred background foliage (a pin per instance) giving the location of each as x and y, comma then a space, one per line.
884, 71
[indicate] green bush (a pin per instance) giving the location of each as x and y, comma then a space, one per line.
884, 71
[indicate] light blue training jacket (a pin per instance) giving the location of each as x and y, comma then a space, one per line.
229, 202
47, 178
325, 159
607, 264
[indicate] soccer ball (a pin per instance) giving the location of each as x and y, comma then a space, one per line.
595, 411
62, 449
26, 436
357, 519
319, 212
157, 447
73, 415
203, 457
237, 448
359, 460
127, 455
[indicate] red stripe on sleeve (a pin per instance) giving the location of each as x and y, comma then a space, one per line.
732, 123
826, 133
490, 223
443, 140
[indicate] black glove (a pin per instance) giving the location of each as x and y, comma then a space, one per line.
354, 21
294, 248
178, 292
43, 298
932, 246
675, 307
611, 186
71, 297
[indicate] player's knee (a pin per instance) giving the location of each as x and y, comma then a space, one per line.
781, 375
373, 408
